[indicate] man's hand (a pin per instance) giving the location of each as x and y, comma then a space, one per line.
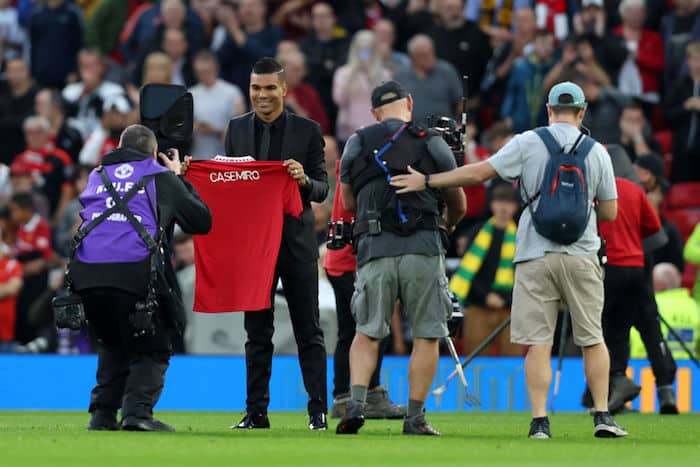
296, 171
173, 163
493, 300
413, 181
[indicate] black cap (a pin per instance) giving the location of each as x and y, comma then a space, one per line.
655, 164
387, 92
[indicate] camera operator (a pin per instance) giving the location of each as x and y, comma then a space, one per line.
399, 250
122, 256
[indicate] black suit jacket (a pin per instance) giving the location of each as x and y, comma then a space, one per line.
302, 141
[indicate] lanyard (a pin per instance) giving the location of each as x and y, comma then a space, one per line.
378, 159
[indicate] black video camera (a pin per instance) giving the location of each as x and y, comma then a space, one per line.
446, 127
339, 234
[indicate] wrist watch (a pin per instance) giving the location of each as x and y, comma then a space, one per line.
427, 181
307, 180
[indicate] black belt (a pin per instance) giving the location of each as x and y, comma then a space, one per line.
376, 226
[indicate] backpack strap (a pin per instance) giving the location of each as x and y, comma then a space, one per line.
583, 149
550, 143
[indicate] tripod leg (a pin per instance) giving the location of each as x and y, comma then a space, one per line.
680, 341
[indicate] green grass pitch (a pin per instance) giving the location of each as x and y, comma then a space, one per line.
481, 438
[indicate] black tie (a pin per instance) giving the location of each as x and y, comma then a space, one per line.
264, 142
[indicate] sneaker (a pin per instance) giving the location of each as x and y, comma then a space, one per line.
418, 426
539, 428
352, 420
606, 427
622, 390
103, 420
667, 400
339, 404
317, 422
380, 406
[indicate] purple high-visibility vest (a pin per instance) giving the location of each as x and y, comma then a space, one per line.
114, 240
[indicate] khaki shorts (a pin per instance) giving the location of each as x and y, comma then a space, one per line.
418, 280
543, 285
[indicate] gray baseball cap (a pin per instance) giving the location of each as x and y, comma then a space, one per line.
571, 93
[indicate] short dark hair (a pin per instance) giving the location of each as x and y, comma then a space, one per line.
139, 138
23, 201
268, 66
500, 190
633, 104
543, 32
206, 55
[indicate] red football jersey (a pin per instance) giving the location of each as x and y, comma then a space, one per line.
34, 239
9, 268
338, 262
235, 262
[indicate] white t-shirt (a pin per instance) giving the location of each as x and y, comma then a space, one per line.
526, 157
214, 105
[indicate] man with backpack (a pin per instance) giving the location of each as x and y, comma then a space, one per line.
568, 182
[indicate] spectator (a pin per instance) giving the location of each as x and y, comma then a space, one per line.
302, 98
671, 252
293, 16
12, 35
33, 250
64, 133
635, 134
678, 309
484, 280
650, 172
385, 35
552, 15
578, 54
524, 105
506, 51
70, 220
16, 104
22, 181
215, 103
176, 47
461, 43
610, 50
249, 39
55, 30
49, 165
224, 10
642, 71
325, 53
84, 99
11, 282
683, 117
679, 29
434, 84
140, 30
691, 253
104, 139
493, 15
104, 25
287, 46
353, 84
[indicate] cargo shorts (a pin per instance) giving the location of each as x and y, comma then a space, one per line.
420, 283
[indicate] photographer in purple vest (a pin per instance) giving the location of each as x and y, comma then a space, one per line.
122, 271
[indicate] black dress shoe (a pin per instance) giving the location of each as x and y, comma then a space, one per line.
317, 422
103, 420
253, 420
145, 424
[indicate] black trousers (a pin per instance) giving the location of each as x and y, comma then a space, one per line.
300, 282
343, 288
629, 301
130, 371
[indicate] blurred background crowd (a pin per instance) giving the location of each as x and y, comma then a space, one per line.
72, 70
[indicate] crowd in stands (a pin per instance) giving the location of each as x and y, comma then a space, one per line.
72, 71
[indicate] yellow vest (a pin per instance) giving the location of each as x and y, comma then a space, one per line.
680, 311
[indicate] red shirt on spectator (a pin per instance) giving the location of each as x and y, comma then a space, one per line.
650, 58
34, 239
635, 220
476, 195
309, 100
9, 269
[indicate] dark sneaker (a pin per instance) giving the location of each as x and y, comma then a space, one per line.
352, 420
606, 427
380, 406
418, 426
339, 404
667, 400
622, 390
317, 422
252, 421
144, 424
103, 420
539, 428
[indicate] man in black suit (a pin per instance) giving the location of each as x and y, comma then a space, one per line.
272, 133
